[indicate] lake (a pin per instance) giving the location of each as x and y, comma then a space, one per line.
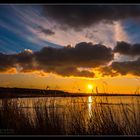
80, 111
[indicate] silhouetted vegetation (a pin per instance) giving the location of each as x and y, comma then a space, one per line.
102, 120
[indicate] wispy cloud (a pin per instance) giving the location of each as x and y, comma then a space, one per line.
16, 21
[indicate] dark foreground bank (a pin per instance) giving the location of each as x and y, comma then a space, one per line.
25, 93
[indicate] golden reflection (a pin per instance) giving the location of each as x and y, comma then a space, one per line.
90, 105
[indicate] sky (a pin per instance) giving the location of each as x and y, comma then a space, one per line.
68, 47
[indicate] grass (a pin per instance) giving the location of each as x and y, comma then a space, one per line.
73, 119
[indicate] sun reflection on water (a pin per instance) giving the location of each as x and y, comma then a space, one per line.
89, 105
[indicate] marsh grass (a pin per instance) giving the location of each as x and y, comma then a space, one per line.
103, 119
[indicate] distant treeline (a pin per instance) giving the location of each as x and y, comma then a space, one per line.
25, 92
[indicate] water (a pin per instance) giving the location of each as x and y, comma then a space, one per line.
86, 104
82, 109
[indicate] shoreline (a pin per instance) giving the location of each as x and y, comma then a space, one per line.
33, 93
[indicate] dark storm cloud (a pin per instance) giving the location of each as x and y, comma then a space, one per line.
80, 16
129, 67
82, 55
127, 49
6, 62
108, 71
66, 71
24, 59
67, 61
45, 31
63, 61
123, 68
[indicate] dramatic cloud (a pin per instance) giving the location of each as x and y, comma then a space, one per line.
63, 61
23, 59
122, 68
75, 61
129, 67
80, 16
45, 31
82, 55
6, 62
127, 49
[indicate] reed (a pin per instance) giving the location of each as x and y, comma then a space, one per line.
102, 120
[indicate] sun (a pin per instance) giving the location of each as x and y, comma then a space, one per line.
90, 87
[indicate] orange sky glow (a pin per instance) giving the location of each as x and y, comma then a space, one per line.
40, 80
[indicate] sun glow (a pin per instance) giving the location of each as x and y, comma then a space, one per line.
90, 87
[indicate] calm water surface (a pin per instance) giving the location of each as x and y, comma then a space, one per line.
74, 108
